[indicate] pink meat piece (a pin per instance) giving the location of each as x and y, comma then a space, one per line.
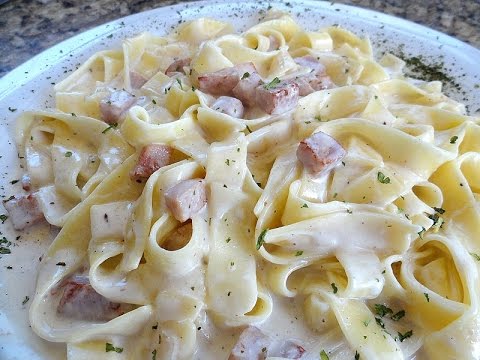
113, 107
253, 344
178, 238
186, 198
229, 105
223, 81
245, 89
320, 152
277, 99
152, 157
317, 79
177, 66
80, 301
137, 80
26, 182
312, 63
23, 211
288, 349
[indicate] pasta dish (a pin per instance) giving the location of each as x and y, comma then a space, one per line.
274, 194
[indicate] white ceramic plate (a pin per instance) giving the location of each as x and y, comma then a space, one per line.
29, 87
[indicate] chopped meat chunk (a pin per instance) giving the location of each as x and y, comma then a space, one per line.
320, 152
113, 107
24, 211
177, 66
152, 157
223, 81
312, 63
137, 80
288, 349
253, 344
26, 182
317, 79
229, 105
245, 89
80, 301
186, 198
178, 238
277, 99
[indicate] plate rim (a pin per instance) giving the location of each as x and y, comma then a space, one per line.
27, 72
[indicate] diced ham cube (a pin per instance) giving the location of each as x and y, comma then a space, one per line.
186, 198
24, 211
80, 301
320, 152
113, 107
152, 157
178, 238
229, 105
245, 89
177, 66
251, 345
223, 81
317, 79
288, 349
312, 63
278, 98
137, 80
26, 182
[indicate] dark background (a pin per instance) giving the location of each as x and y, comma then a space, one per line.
29, 26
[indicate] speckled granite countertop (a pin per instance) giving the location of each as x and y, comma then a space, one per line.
29, 26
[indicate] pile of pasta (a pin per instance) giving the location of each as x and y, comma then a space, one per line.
381, 251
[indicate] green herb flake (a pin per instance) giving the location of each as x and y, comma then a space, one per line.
228, 239
405, 336
110, 127
109, 347
25, 300
335, 195
304, 206
227, 162
68, 154
180, 83
421, 233
3, 218
427, 297
249, 130
272, 83
4, 250
382, 310
154, 354
382, 178
334, 288
318, 118
245, 75
13, 182
475, 256
299, 253
397, 316
11, 109
73, 114
261, 239
323, 355
366, 322
357, 355
439, 210
154, 102
380, 322
453, 139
